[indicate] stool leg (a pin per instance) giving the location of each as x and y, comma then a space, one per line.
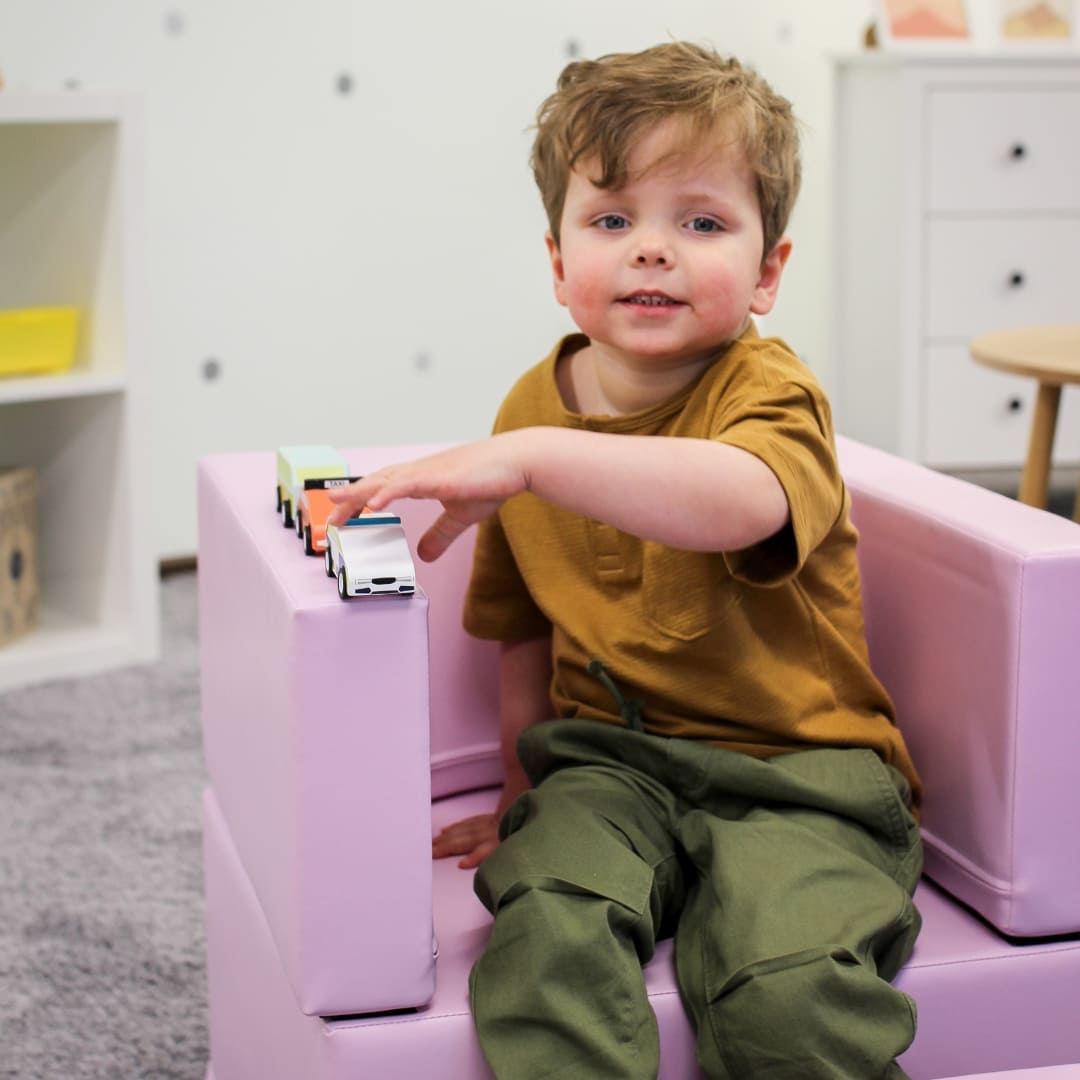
1036, 478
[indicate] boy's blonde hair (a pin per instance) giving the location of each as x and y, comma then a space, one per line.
603, 107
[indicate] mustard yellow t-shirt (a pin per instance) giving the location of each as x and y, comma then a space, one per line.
761, 650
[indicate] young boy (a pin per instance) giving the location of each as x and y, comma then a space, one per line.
665, 554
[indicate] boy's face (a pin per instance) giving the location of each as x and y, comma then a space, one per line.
670, 266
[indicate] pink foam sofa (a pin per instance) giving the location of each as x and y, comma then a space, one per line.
339, 734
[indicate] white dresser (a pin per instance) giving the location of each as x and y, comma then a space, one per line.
957, 211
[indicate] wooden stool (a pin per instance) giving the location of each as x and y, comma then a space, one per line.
1050, 354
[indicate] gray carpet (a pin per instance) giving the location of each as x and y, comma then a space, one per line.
102, 969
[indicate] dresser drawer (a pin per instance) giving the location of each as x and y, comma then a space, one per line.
975, 417
987, 274
1003, 149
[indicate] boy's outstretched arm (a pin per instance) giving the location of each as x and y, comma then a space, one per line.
693, 494
524, 699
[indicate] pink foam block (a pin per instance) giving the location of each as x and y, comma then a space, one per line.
973, 617
316, 730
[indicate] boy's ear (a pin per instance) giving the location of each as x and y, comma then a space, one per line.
556, 267
772, 268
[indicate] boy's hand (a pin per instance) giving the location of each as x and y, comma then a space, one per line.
475, 838
471, 482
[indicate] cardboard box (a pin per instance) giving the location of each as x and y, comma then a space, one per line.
18, 553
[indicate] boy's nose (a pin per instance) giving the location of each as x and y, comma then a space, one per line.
651, 258
653, 250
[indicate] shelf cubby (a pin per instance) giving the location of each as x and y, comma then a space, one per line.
70, 235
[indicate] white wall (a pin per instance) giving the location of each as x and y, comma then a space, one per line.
367, 266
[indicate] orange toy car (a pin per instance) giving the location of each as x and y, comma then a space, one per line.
313, 507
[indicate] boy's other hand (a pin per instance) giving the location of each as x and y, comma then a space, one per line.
475, 838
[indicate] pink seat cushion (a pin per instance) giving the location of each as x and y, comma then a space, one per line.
983, 1002
1051, 1072
963, 975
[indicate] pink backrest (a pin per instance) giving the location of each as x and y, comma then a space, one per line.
973, 617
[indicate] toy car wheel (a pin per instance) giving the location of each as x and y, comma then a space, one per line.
277, 496
286, 513
328, 562
342, 584
299, 524
309, 547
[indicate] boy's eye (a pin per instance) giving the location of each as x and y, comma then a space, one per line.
611, 222
705, 225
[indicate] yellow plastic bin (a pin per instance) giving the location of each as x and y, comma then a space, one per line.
35, 341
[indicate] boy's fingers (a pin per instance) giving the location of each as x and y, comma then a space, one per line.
439, 537
348, 500
348, 493
474, 837
477, 855
339, 515
457, 840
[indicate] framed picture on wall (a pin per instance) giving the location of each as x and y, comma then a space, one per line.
924, 23
1028, 21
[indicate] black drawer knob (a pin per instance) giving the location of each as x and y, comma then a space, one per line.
1018, 151
1016, 279
1015, 404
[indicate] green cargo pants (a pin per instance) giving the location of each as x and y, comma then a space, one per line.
786, 883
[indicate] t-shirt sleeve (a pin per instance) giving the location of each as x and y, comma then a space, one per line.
789, 427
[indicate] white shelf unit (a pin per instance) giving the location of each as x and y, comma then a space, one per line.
956, 209
70, 235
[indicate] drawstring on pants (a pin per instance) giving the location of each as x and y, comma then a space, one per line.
630, 711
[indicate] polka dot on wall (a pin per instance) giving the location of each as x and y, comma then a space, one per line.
175, 23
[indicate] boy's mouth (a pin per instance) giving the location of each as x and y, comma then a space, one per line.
649, 298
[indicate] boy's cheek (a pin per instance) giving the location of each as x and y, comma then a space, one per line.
584, 293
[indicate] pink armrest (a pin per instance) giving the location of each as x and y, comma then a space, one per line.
973, 616
317, 738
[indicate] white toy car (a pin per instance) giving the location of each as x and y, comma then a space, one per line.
369, 556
